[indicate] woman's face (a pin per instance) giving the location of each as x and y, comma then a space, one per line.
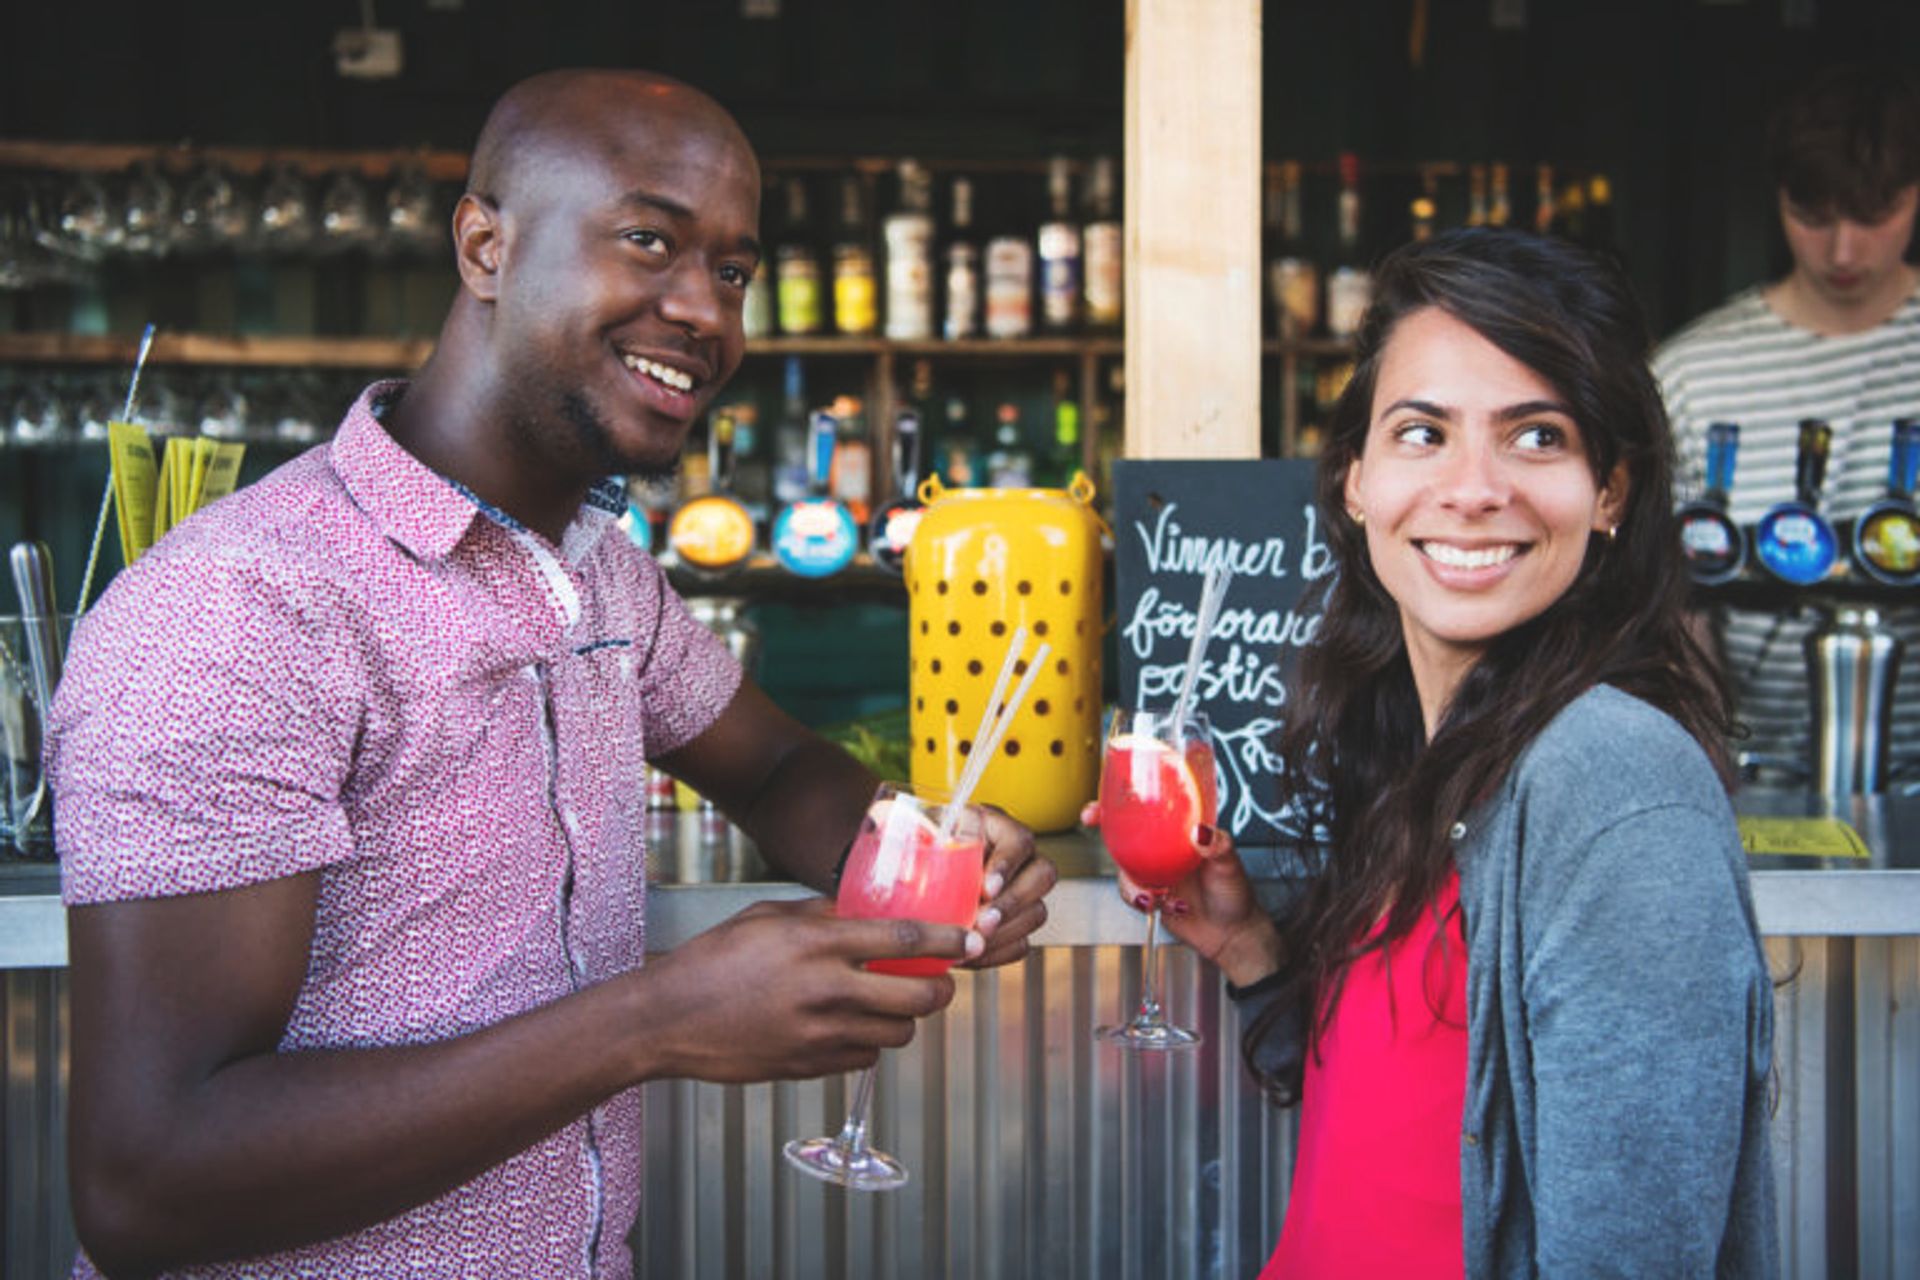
1475, 492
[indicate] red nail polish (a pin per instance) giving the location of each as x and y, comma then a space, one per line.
1203, 834
1142, 900
1177, 907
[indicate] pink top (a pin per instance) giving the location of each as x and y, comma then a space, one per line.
1376, 1185
353, 667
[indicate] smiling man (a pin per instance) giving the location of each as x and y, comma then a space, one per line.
349, 775
1837, 338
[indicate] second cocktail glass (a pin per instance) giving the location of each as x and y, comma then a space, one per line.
911, 860
1156, 785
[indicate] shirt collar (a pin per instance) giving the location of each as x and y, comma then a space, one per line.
424, 511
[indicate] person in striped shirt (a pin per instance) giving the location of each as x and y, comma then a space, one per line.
1837, 338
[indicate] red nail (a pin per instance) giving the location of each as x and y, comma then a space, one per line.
1203, 834
1142, 900
1177, 906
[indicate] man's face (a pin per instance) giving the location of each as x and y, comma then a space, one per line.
627, 249
1849, 263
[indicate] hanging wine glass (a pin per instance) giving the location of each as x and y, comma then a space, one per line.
86, 218
214, 211
346, 212
285, 219
147, 210
413, 223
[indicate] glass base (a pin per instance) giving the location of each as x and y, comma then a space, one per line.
1149, 1034
829, 1161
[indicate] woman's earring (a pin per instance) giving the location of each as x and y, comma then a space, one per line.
1358, 517
1613, 531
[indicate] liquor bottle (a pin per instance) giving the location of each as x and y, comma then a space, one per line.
1543, 206
1010, 284
1714, 545
1477, 195
1009, 466
908, 233
752, 472
1570, 212
712, 533
960, 317
1059, 244
1293, 277
1065, 459
855, 294
790, 475
1793, 540
816, 536
1424, 208
1103, 240
796, 267
1499, 201
1885, 540
893, 524
1350, 287
850, 472
960, 470
1600, 234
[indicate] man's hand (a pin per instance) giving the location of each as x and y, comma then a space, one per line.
778, 992
1017, 881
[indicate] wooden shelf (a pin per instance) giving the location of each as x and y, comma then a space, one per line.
1333, 347
408, 353
94, 157
217, 349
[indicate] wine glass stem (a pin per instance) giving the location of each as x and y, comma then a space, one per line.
1149, 966
853, 1134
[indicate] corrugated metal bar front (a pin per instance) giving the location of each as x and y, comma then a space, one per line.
1053, 1154
36, 1235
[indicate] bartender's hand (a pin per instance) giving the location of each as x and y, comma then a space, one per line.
779, 992
1213, 909
1017, 881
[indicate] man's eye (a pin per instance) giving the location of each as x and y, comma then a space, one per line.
736, 275
651, 240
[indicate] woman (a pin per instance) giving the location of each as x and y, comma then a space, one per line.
1524, 1005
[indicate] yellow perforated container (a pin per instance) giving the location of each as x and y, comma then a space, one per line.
982, 563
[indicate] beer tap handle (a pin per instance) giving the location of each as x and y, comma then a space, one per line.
1723, 446
720, 450
822, 428
1904, 463
1810, 467
906, 452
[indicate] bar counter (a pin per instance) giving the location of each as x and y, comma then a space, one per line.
1037, 1151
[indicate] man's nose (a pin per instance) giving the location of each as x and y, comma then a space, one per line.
692, 300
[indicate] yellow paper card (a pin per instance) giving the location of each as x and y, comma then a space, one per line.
223, 471
1802, 837
134, 480
163, 489
180, 454
202, 454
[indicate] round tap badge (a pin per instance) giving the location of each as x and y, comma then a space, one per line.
1886, 543
711, 534
1712, 543
816, 538
1795, 544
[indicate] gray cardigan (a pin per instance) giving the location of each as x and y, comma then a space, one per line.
1619, 1013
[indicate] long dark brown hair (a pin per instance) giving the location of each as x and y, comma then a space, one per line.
1355, 754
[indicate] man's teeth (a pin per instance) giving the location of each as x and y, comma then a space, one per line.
661, 373
1462, 558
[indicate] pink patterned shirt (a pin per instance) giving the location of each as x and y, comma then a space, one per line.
355, 668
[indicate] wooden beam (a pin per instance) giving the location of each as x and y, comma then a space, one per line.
1193, 228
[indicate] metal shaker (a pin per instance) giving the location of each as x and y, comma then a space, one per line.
1852, 662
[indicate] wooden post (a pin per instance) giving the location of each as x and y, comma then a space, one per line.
1193, 228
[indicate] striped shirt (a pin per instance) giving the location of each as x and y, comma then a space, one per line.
1742, 363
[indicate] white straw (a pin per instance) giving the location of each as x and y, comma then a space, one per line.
106, 498
991, 735
1213, 594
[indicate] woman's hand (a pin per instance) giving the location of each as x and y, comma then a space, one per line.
1214, 909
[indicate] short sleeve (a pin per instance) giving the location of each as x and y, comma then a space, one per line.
203, 730
690, 675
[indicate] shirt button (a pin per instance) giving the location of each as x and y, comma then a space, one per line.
1458, 832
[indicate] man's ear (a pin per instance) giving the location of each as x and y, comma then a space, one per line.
478, 245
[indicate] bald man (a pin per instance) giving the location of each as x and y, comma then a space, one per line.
349, 776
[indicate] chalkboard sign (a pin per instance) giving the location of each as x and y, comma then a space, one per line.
1172, 522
